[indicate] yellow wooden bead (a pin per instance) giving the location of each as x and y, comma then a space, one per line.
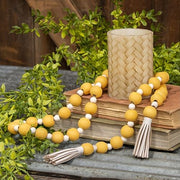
146, 89
73, 134
127, 131
64, 113
41, 133
18, 121
162, 93
102, 80
96, 91
86, 88
11, 127
135, 97
155, 81
24, 129
90, 108
163, 88
75, 100
164, 76
88, 149
101, 147
157, 97
57, 137
131, 115
150, 112
48, 121
32, 121
105, 72
116, 142
84, 123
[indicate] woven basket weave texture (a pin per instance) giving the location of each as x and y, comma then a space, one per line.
130, 60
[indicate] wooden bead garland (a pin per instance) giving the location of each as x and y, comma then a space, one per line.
84, 123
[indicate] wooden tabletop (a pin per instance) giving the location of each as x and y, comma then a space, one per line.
116, 164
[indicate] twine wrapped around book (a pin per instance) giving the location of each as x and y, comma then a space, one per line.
130, 60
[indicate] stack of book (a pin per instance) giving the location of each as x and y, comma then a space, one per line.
109, 119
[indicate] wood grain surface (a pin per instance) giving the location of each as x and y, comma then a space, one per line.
27, 50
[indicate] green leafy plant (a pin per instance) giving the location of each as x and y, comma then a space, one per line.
89, 36
40, 91
168, 59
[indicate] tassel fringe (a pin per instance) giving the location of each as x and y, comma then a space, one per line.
63, 156
143, 141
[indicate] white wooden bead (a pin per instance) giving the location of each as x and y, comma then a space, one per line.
70, 106
98, 84
40, 121
104, 75
66, 138
160, 79
80, 149
93, 99
88, 116
130, 123
123, 139
56, 118
33, 130
95, 148
132, 106
49, 136
80, 92
109, 146
151, 85
154, 104
16, 127
140, 91
80, 130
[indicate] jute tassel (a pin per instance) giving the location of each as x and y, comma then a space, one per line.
63, 156
143, 141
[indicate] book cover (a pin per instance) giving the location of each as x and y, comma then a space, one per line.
113, 109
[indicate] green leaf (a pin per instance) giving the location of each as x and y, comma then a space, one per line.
37, 33
72, 39
94, 22
46, 102
81, 34
25, 75
1, 146
12, 111
3, 88
63, 33
72, 32
33, 110
20, 165
26, 177
30, 101
144, 23
134, 15
45, 84
13, 155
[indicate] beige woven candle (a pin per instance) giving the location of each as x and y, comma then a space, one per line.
130, 60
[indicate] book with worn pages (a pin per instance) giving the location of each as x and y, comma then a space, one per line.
109, 119
168, 115
104, 129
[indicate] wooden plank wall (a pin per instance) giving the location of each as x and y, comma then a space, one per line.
20, 50
26, 50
